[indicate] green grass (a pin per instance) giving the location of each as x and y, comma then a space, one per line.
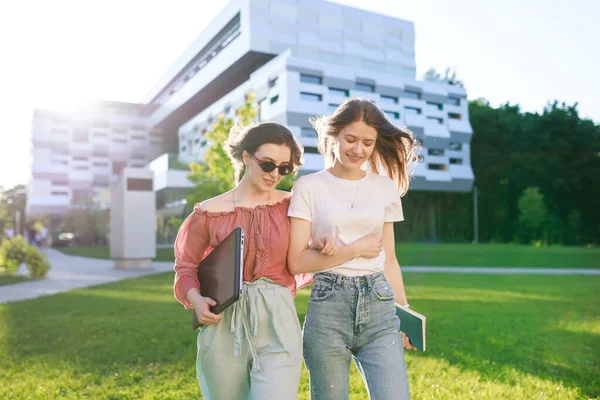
470, 255
9, 280
489, 337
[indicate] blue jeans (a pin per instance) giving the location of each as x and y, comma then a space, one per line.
354, 317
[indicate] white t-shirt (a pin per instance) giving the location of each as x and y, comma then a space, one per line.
325, 201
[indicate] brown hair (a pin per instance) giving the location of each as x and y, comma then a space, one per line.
395, 153
251, 137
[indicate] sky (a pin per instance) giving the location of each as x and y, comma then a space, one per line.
58, 53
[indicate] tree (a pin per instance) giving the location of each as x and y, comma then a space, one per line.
450, 77
533, 213
87, 221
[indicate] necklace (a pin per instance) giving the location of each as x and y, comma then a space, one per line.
233, 198
344, 191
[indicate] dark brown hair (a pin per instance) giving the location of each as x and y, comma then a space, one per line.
251, 137
395, 153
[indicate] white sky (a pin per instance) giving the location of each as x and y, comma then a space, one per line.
57, 52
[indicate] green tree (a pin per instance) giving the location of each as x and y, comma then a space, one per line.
450, 77
533, 213
89, 223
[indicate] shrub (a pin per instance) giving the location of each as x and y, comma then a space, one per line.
37, 263
12, 254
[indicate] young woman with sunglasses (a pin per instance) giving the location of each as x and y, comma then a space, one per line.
351, 312
254, 348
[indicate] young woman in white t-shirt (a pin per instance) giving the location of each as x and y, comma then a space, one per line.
347, 211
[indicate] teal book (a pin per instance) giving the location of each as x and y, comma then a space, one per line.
413, 325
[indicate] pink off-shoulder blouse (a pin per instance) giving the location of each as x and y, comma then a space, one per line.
266, 240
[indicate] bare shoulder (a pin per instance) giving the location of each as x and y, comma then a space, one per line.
280, 195
220, 203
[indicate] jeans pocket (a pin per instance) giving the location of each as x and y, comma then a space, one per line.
383, 291
321, 292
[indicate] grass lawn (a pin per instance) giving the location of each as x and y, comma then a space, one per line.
489, 337
9, 280
481, 255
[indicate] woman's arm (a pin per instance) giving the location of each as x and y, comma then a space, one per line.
301, 259
392, 267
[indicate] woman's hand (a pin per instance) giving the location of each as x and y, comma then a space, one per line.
406, 342
368, 246
326, 246
201, 306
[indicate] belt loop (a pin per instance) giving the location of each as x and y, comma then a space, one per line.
338, 281
369, 279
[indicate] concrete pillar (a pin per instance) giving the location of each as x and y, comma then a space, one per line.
133, 219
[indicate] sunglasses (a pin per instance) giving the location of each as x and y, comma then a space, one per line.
269, 166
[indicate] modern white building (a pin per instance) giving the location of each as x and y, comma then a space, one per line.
301, 59
304, 58
77, 154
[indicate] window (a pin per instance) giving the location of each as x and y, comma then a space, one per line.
262, 112
138, 127
60, 183
412, 94
197, 140
389, 99
272, 82
339, 92
456, 161
311, 150
60, 162
100, 164
80, 158
119, 131
314, 79
437, 167
436, 119
439, 106
454, 101
412, 110
332, 107
308, 132
100, 154
435, 152
455, 146
310, 96
81, 168
183, 148
365, 87
100, 134
116, 140
138, 157
274, 99
80, 136
59, 193
454, 116
392, 114
138, 137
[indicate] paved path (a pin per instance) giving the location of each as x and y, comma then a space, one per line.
71, 272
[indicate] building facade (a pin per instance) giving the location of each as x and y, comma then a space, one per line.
301, 59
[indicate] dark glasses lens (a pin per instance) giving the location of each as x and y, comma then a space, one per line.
269, 166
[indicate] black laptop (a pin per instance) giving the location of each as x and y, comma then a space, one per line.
221, 273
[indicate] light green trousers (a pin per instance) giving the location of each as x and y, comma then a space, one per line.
255, 350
